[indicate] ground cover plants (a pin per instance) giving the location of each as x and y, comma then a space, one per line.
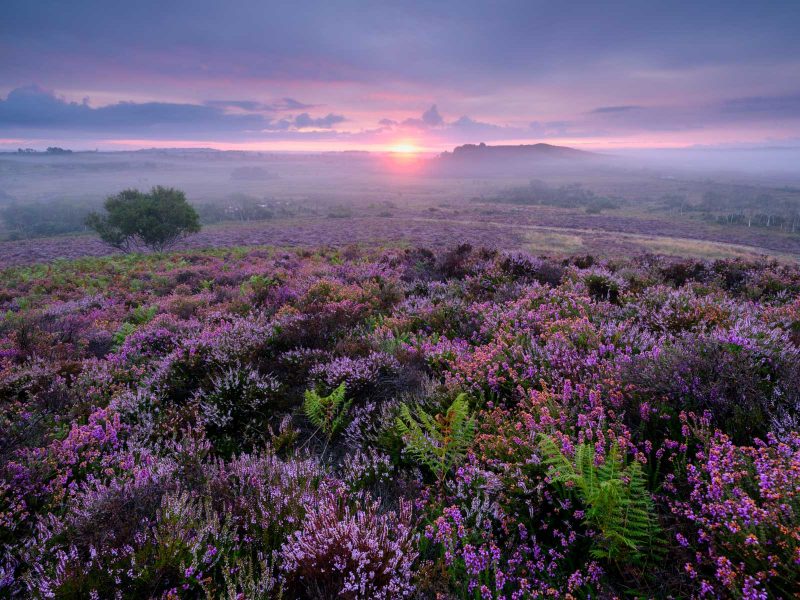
399, 423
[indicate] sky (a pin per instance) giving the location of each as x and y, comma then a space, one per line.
380, 75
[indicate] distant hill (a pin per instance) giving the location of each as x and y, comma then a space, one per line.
526, 160
523, 151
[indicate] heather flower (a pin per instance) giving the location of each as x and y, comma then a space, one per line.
357, 374
744, 509
152, 440
352, 553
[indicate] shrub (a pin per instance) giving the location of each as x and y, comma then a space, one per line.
235, 406
156, 220
672, 413
351, 554
602, 285
746, 378
524, 266
744, 515
358, 374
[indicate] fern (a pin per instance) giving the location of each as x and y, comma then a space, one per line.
141, 315
438, 442
617, 502
122, 334
329, 413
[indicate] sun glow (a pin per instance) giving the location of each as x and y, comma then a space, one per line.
404, 148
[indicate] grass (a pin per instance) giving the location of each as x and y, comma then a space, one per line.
550, 243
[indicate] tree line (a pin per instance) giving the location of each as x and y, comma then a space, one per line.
744, 208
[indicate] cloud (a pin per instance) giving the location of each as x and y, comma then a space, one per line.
292, 104
551, 128
246, 105
786, 106
254, 44
429, 119
615, 109
432, 118
304, 121
282, 105
34, 108
731, 112
470, 125
33, 111
465, 129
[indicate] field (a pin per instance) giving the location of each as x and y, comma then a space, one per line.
343, 198
365, 378
387, 422
539, 231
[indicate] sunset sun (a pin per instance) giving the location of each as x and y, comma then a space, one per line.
404, 148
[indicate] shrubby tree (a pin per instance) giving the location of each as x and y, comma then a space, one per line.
157, 219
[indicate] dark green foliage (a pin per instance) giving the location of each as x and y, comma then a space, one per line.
235, 408
438, 442
602, 288
156, 220
329, 413
617, 502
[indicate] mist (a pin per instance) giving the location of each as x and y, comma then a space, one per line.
741, 200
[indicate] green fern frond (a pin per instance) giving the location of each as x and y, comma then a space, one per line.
329, 413
617, 503
439, 442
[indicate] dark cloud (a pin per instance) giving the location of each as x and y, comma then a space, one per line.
304, 121
292, 104
432, 118
773, 107
428, 120
34, 108
508, 40
284, 104
470, 125
733, 112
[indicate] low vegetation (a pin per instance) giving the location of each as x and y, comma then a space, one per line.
155, 220
538, 193
399, 423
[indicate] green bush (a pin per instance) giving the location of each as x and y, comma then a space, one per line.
156, 220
